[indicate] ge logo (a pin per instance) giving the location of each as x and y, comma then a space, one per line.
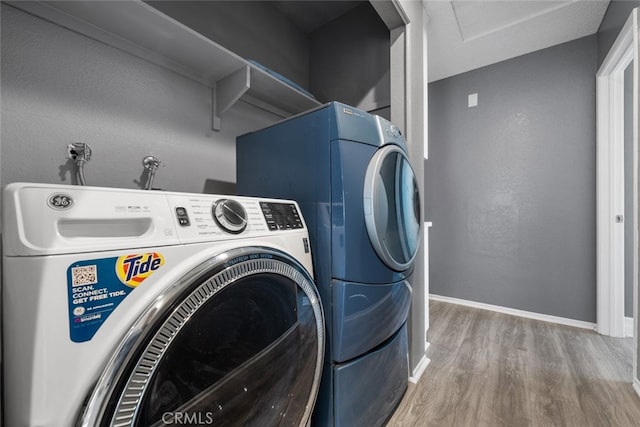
60, 201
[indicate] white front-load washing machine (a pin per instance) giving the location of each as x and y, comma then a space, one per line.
137, 308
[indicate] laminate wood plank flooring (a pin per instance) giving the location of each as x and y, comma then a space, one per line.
492, 369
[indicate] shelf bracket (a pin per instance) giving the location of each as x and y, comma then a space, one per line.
227, 91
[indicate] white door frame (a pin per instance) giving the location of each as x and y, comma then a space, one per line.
610, 184
636, 173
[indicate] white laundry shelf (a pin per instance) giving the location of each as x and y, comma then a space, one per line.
141, 30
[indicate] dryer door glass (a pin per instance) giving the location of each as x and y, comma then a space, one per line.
392, 207
244, 347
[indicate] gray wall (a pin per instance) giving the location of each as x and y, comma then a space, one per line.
510, 184
349, 60
59, 87
252, 29
613, 21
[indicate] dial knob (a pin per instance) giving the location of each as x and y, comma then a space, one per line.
230, 215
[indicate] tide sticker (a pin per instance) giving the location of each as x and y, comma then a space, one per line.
133, 269
97, 286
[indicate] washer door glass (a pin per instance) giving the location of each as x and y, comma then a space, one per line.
243, 348
239, 358
392, 207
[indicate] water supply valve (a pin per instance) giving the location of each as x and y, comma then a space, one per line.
80, 152
151, 163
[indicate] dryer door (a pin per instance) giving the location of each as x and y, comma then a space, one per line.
392, 207
238, 341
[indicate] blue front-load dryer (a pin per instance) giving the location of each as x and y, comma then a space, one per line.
350, 174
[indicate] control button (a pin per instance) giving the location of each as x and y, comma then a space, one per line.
230, 215
395, 132
183, 217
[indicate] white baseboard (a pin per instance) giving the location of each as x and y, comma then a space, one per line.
636, 386
516, 312
419, 369
628, 327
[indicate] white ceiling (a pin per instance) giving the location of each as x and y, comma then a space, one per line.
465, 35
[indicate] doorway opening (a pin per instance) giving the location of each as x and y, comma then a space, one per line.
611, 165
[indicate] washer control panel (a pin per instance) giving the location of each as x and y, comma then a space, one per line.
281, 216
200, 217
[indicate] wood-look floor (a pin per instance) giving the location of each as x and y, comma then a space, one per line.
491, 369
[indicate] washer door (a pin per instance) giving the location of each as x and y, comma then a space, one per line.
238, 341
392, 207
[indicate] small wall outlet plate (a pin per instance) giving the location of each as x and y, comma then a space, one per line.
472, 100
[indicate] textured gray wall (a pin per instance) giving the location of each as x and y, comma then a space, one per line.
252, 29
59, 87
613, 21
349, 60
510, 184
